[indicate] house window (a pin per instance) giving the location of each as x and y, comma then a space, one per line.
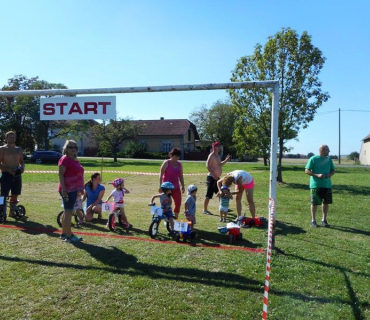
189, 135
166, 146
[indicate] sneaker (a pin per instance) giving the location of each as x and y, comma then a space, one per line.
126, 225
313, 224
73, 238
206, 212
63, 236
171, 233
221, 220
324, 223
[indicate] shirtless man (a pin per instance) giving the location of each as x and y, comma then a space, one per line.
12, 166
214, 167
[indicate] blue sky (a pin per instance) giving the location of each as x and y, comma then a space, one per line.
92, 44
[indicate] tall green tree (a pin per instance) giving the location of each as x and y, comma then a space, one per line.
115, 132
215, 124
22, 115
296, 63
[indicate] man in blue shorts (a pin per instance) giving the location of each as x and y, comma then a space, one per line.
321, 169
12, 166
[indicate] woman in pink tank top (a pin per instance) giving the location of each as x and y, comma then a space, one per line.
171, 171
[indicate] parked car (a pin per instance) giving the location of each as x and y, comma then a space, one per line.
45, 156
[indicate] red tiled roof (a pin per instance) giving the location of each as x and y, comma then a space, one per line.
166, 127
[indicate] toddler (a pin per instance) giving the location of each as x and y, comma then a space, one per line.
119, 203
166, 202
190, 204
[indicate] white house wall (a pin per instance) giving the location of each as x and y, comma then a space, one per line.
365, 153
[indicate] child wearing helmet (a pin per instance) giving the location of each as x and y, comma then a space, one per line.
190, 204
166, 202
225, 197
118, 193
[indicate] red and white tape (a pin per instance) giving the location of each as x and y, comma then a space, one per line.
112, 171
268, 257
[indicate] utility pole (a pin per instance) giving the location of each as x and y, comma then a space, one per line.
339, 138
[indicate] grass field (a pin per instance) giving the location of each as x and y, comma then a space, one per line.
321, 273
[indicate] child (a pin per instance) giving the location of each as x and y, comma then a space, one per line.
166, 202
225, 197
78, 207
119, 203
190, 206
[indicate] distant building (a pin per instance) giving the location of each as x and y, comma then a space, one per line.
164, 134
158, 136
86, 145
365, 151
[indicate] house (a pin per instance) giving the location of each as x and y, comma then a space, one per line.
158, 136
164, 134
365, 151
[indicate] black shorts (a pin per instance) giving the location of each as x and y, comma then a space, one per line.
211, 187
10, 182
321, 195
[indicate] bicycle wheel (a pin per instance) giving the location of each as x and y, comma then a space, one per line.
153, 229
168, 226
112, 221
231, 238
3, 213
20, 211
59, 218
77, 219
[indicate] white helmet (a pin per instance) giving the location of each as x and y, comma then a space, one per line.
192, 188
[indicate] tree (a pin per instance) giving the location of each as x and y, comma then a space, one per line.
296, 63
115, 133
310, 154
353, 156
215, 124
22, 115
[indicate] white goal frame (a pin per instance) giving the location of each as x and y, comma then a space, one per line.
274, 84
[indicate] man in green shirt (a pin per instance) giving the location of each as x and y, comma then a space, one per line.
321, 169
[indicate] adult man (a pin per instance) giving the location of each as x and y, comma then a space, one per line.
321, 169
12, 166
214, 167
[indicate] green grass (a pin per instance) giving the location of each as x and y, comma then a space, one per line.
321, 273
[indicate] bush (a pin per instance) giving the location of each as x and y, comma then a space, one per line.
135, 149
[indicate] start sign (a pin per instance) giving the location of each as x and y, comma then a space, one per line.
78, 108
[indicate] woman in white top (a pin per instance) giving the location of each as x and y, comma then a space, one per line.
243, 181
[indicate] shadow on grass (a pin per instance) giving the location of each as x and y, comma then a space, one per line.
355, 304
284, 228
350, 230
121, 263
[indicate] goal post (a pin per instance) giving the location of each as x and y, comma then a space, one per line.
274, 84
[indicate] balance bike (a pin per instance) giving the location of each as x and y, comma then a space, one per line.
158, 216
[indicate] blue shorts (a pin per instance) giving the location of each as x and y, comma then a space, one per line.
168, 214
10, 182
70, 203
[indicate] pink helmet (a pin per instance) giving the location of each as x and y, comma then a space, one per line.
117, 182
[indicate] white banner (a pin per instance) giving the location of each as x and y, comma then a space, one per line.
79, 108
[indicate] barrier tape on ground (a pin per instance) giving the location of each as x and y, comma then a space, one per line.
112, 171
268, 257
112, 235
